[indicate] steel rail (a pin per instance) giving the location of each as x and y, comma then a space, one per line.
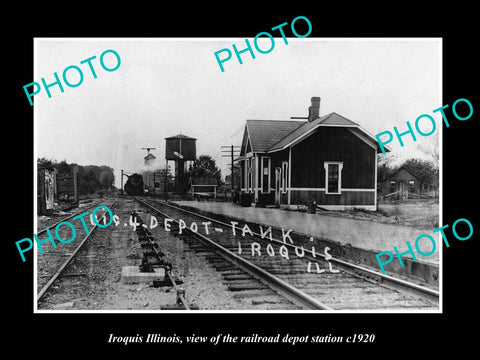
386, 280
69, 259
291, 293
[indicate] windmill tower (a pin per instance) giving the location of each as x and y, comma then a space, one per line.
180, 149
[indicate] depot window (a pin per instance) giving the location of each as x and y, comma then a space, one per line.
393, 184
333, 177
411, 186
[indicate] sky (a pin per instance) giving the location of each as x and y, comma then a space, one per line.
167, 86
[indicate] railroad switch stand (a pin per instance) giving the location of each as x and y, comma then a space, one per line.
180, 296
154, 258
180, 302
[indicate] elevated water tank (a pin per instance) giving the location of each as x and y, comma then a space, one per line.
181, 147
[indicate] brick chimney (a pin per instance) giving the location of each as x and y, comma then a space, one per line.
314, 109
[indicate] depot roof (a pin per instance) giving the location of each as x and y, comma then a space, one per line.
275, 135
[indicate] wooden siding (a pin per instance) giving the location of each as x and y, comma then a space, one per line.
266, 199
333, 144
308, 172
346, 198
401, 175
180, 144
67, 186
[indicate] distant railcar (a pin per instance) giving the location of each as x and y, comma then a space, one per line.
134, 185
67, 188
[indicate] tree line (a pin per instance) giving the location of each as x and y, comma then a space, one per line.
91, 178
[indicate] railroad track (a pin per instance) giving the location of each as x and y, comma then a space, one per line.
314, 281
50, 226
152, 249
53, 262
244, 286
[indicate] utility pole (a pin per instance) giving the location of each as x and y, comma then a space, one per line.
232, 150
121, 183
166, 180
153, 183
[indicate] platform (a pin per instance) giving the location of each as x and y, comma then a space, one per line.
132, 275
353, 240
363, 234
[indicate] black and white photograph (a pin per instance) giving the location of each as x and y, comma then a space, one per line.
224, 180
261, 187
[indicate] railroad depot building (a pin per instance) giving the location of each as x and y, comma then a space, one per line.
328, 159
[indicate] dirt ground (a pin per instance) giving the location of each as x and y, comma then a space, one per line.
421, 213
93, 280
46, 220
391, 226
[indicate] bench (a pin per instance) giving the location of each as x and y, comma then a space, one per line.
201, 195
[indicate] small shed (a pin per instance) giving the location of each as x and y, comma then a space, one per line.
402, 184
204, 187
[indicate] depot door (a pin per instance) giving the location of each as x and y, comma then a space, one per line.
278, 176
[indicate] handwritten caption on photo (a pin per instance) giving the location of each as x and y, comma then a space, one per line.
206, 227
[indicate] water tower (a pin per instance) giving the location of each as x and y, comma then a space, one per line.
180, 149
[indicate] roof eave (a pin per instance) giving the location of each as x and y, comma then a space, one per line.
385, 147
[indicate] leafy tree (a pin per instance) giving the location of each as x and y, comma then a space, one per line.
385, 166
87, 180
45, 163
63, 167
203, 166
90, 177
106, 178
